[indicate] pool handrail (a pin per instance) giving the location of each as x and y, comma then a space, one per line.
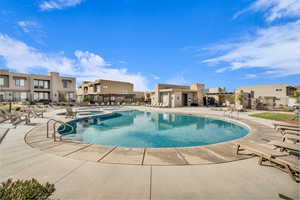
54, 127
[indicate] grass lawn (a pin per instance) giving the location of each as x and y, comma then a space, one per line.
275, 116
6, 107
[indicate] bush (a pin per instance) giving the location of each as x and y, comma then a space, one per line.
23, 190
88, 99
32, 103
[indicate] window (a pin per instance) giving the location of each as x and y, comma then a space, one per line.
66, 83
71, 95
42, 84
98, 88
40, 95
20, 96
20, 82
105, 86
46, 84
278, 90
23, 96
36, 83
1, 81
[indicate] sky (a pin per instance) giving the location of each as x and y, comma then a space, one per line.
218, 43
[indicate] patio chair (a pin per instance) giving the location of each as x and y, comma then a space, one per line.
165, 105
280, 160
36, 113
283, 129
7, 115
294, 138
14, 118
278, 125
284, 146
70, 113
20, 117
291, 132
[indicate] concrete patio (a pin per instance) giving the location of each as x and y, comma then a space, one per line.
81, 171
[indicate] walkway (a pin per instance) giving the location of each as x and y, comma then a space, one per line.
79, 179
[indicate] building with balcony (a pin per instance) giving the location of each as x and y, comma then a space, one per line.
108, 91
35, 87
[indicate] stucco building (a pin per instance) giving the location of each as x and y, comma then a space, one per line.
34, 87
108, 91
269, 95
178, 95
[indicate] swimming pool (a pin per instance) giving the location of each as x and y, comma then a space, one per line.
140, 129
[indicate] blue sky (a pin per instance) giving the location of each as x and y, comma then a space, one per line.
219, 43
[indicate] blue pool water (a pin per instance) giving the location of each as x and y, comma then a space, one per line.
152, 130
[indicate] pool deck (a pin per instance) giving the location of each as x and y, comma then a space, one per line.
84, 171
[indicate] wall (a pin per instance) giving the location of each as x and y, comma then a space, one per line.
269, 91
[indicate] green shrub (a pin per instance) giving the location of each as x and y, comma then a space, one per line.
27, 189
32, 103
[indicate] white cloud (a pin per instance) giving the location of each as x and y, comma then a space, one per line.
221, 70
250, 76
58, 4
33, 30
275, 9
277, 49
27, 26
177, 80
85, 66
155, 77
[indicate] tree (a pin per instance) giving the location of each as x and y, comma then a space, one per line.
88, 99
297, 96
230, 98
240, 96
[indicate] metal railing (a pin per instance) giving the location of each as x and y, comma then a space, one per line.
54, 128
230, 114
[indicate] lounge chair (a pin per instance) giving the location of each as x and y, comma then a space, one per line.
278, 125
36, 113
294, 138
284, 146
291, 132
70, 113
282, 128
283, 161
20, 117
14, 118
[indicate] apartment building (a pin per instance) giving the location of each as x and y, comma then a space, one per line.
270, 95
108, 91
34, 87
178, 95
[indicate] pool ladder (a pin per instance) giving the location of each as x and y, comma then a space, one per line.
54, 128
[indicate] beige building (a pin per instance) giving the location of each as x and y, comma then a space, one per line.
108, 91
271, 95
178, 95
218, 97
33, 87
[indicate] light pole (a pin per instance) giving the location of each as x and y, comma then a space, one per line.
10, 101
